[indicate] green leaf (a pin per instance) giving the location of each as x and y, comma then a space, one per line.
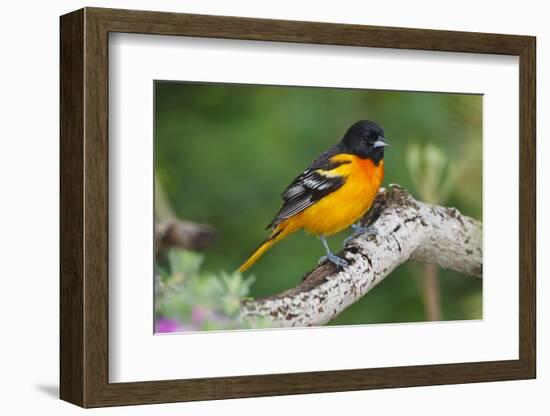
184, 262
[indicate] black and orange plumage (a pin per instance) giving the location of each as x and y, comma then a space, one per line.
334, 192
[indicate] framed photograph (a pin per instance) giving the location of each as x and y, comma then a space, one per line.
254, 207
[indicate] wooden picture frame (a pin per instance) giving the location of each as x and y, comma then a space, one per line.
84, 207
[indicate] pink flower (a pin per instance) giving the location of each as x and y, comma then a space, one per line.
164, 325
199, 315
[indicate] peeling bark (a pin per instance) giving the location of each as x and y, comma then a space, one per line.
407, 229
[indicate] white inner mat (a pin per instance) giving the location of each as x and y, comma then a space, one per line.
135, 354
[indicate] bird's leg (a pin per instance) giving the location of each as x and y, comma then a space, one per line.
333, 258
359, 229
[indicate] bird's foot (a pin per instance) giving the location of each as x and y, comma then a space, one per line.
358, 230
334, 259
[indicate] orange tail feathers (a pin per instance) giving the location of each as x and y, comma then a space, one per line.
280, 232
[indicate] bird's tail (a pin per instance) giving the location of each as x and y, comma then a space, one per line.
278, 233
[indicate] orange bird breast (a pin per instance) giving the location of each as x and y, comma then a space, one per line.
347, 204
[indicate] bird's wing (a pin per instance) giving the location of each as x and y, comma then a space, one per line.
316, 182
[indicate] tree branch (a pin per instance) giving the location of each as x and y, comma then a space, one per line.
407, 229
183, 234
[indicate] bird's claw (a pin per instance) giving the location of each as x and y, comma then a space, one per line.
348, 239
334, 259
358, 230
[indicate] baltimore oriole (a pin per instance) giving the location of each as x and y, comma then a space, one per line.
334, 192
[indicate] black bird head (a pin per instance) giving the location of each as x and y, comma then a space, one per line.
366, 140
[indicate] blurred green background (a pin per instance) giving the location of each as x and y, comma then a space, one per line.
224, 153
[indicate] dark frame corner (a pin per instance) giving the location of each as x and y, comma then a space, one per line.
84, 207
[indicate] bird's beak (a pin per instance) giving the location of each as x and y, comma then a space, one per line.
381, 142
